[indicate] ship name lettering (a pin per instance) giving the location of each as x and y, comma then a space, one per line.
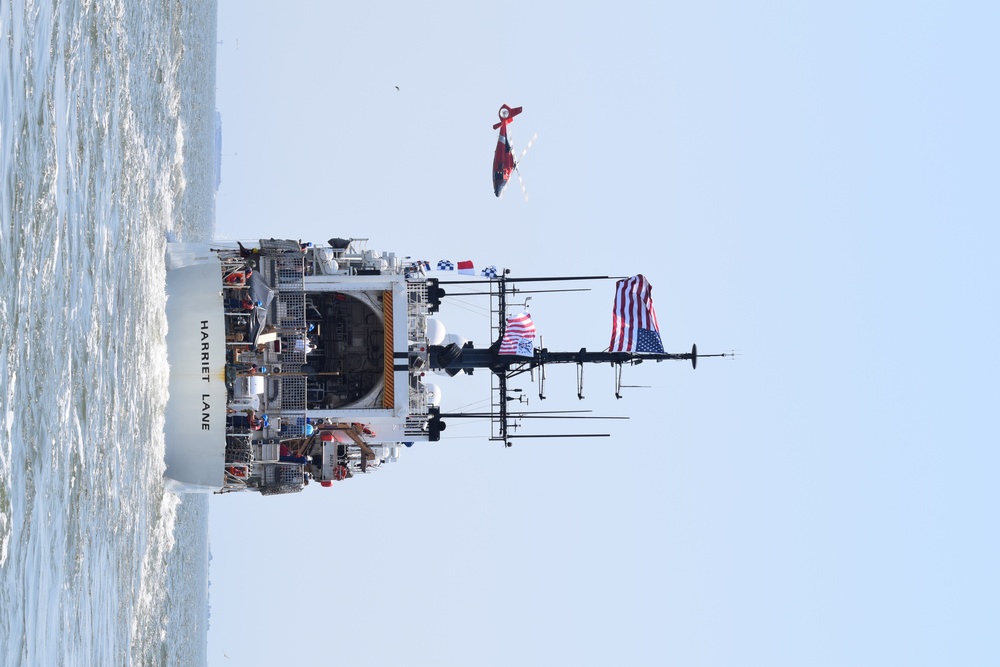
205, 414
205, 368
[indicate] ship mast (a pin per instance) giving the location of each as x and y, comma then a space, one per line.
453, 360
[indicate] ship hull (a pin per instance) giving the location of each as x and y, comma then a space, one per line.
195, 426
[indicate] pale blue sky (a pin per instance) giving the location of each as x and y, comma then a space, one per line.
813, 185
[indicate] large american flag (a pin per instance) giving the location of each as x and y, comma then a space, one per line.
519, 337
633, 325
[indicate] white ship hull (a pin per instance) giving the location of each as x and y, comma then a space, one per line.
196, 352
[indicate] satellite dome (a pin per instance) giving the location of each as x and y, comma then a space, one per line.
433, 394
435, 331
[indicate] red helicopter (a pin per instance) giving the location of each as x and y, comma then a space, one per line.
503, 158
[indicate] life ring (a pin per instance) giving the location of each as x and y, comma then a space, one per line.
340, 473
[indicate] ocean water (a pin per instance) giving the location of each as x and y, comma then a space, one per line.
106, 150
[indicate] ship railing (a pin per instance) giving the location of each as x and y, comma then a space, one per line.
291, 422
239, 461
418, 394
290, 312
289, 273
293, 383
416, 323
279, 248
234, 272
277, 478
416, 293
236, 477
418, 402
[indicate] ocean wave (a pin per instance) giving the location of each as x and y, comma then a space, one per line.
101, 162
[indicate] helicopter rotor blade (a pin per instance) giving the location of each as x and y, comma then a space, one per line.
525, 151
520, 180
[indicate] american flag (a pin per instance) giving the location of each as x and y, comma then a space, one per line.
633, 326
519, 337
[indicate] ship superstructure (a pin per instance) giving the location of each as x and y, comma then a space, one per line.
294, 363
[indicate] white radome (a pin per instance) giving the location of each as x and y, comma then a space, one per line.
435, 331
433, 394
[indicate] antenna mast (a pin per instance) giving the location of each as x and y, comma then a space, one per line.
454, 360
